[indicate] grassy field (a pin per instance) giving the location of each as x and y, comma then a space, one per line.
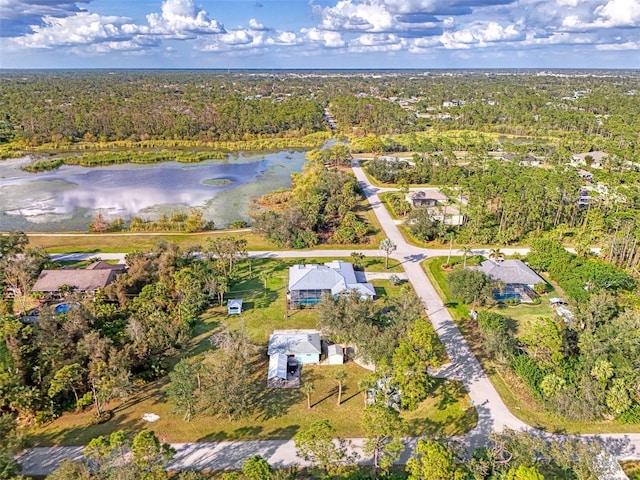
279, 414
515, 394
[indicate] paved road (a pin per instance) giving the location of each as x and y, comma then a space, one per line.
493, 415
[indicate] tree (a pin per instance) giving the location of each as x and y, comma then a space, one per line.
9, 446
102, 451
496, 254
433, 460
264, 276
524, 473
387, 246
224, 391
182, 389
356, 259
465, 250
469, 286
256, 468
317, 444
383, 428
340, 375
68, 377
70, 470
308, 388
148, 453
414, 355
450, 236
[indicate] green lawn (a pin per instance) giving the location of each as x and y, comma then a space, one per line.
279, 413
515, 394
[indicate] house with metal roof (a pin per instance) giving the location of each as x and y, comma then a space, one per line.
517, 276
303, 345
308, 283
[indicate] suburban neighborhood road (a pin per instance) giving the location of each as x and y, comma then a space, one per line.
493, 414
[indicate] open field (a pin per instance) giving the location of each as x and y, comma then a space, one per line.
515, 394
278, 414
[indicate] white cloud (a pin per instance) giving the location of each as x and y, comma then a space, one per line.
255, 25
180, 19
79, 29
377, 42
618, 13
480, 34
236, 37
284, 38
326, 38
351, 15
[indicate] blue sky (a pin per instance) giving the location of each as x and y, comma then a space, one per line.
320, 34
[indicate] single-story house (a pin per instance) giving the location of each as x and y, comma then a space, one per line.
335, 354
308, 283
447, 215
518, 278
589, 159
426, 198
234, 306
80, 280
301, 345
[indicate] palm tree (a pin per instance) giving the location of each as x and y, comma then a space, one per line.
340, 376
387, 246
450, 236
465, 251
308, 388
496, 254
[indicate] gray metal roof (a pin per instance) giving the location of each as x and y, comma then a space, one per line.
510, 271
294, 342
336, 276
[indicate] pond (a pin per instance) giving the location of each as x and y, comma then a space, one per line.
68, 198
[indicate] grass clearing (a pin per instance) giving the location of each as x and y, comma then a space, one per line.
279, 413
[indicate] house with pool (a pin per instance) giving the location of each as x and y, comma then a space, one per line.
55, 283
518, 278
308, 283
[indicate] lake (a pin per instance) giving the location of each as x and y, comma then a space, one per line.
68, 198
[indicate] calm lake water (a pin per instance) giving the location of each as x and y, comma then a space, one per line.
68, 198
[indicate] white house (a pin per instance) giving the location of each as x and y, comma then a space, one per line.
308, 283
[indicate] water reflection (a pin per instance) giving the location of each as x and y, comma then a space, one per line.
66, 199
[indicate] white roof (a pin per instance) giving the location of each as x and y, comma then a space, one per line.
294, 342
336, 276
277, 366
236, 302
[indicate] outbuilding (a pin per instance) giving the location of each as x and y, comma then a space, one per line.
335, 354
234, 307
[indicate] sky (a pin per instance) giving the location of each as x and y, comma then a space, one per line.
281, 34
